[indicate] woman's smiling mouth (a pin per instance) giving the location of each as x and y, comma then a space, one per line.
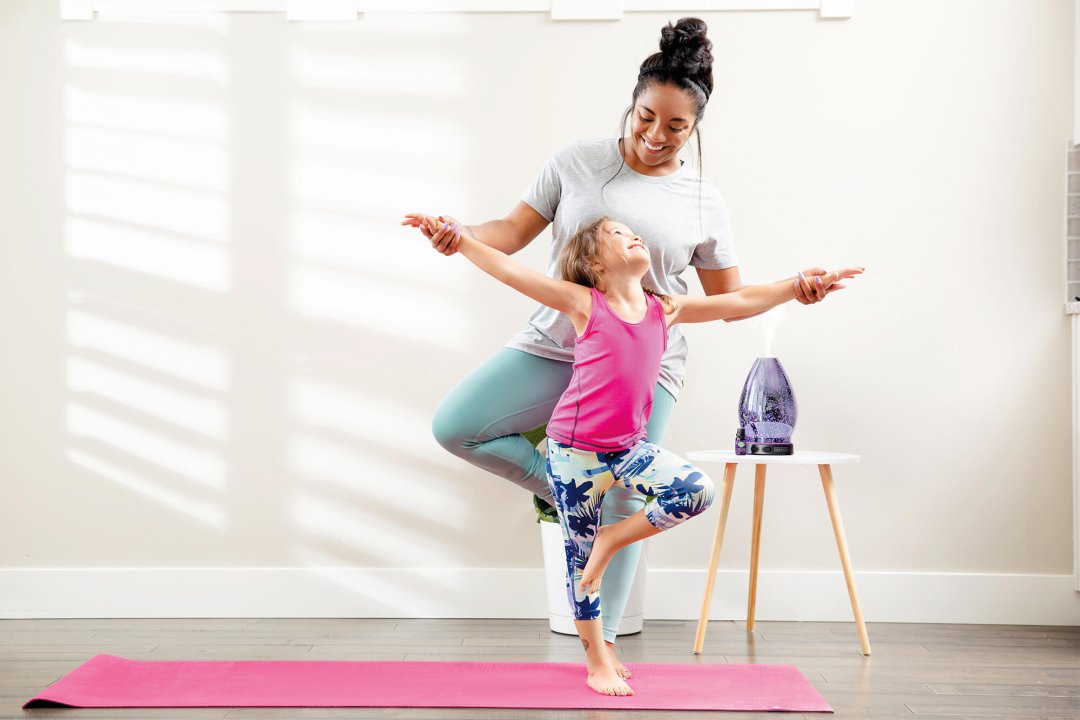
652, 148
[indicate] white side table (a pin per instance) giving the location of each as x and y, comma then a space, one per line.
824, 461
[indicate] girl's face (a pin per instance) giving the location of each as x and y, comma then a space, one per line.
660, 125
620, 251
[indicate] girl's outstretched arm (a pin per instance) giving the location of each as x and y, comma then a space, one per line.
750, 300
508, 234
566, 297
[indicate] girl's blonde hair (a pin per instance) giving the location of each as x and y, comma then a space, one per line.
577, 263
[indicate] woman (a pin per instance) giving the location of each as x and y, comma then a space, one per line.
496, 415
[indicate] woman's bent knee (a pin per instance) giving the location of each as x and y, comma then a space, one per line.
451, 427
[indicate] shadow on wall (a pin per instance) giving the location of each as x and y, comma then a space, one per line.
252, 345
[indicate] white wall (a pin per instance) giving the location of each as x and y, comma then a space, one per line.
221, 351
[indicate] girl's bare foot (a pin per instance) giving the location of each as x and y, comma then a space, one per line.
602, 551
603, 677
620, 669
606, 681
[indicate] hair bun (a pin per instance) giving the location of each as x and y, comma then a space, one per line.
686, 49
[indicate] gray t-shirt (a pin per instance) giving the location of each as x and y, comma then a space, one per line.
680, 218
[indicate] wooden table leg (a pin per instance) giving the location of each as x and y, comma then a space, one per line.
845, 558
755, 542
714, 557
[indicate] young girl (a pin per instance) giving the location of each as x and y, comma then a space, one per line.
596, 436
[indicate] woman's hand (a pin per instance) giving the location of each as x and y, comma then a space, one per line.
443, 232
809, 288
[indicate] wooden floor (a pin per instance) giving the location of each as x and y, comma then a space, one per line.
929, 671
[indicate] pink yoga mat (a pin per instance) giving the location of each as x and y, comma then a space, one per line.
110, 681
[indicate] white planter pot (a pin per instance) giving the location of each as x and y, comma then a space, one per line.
559, 616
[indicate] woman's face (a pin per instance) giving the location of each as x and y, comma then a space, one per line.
660, 125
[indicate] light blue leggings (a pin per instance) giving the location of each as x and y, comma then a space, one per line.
481, 420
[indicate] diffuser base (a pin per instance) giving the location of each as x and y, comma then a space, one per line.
754, 448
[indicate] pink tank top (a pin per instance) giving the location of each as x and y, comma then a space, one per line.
616, 366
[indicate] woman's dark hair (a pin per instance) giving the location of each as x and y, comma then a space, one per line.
685, 60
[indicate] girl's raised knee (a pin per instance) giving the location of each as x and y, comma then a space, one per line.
708, 492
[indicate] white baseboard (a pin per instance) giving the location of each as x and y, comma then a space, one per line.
510, 593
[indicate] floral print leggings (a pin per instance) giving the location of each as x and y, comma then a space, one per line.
676, 491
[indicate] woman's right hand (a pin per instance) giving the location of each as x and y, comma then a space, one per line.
443, 232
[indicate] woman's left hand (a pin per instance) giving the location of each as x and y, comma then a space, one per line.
808, 286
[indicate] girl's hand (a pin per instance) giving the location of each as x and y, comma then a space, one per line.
443, 232
831, 280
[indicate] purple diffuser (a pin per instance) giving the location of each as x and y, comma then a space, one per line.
767, 410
